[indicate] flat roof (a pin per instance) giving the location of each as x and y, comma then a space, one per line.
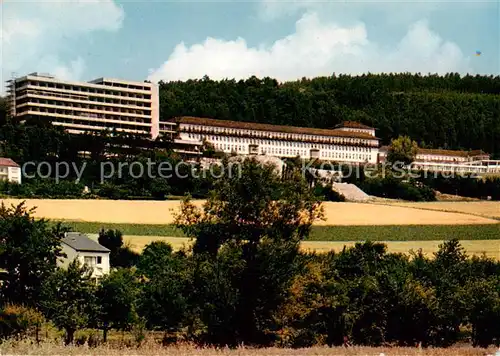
92, 83
119, 81
267, 127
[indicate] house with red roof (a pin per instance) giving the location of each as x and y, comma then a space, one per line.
9, 170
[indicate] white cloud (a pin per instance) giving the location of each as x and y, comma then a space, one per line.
386, 12
33, 34
314, 49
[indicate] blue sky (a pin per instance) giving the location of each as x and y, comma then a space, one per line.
177, 40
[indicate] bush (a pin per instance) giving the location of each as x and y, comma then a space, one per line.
326, 193
19, 321
394, 188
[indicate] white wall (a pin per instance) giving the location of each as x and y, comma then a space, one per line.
15, 175
97, 270
336, 151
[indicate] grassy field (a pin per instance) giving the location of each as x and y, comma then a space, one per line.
162, 212
489, 248
151, 348
327, 233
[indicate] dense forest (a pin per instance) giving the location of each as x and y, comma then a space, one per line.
451, 111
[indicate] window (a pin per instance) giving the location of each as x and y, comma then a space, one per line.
89, 260
99, 260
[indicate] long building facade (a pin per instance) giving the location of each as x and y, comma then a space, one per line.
101, 104
349, 142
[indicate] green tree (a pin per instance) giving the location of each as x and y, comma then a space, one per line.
159, 188
164, 298
120, 255
69, 299
484, 310
29, 252
154, 258
264, 218
117, 297
403, 149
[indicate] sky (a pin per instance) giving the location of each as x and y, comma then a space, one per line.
178, 40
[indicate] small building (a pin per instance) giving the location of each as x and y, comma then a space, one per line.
439, 160
79, 246
9, 171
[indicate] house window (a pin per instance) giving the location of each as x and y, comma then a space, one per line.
99, 260
89, 260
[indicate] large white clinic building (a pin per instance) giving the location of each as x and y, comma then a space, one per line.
101, 104
348, 142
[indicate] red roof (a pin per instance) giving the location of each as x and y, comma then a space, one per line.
455, 153
268, 127
451, 152
354, 125
7, 162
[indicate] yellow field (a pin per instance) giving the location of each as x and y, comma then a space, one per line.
162, 212
490, 248
490, 209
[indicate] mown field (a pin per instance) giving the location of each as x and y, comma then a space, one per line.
403, 226
151, 348
489, 209
163, 212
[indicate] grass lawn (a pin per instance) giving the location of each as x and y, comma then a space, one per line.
327, 233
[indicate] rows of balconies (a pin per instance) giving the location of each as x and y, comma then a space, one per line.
458, 168
87, 108
83, 88
290, 137
81, 99
101, 114
83, 124
102, 119
97, 94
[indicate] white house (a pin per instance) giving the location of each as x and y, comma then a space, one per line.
9, 171
79, 246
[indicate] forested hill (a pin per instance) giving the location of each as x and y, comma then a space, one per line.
437, 111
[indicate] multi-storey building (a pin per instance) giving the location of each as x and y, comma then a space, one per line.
342, 144
87, 106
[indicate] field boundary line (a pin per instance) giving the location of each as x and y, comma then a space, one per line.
439, 210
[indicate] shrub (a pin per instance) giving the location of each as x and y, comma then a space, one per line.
19, 321
394, 188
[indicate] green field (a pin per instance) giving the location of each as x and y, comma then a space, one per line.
327, 233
